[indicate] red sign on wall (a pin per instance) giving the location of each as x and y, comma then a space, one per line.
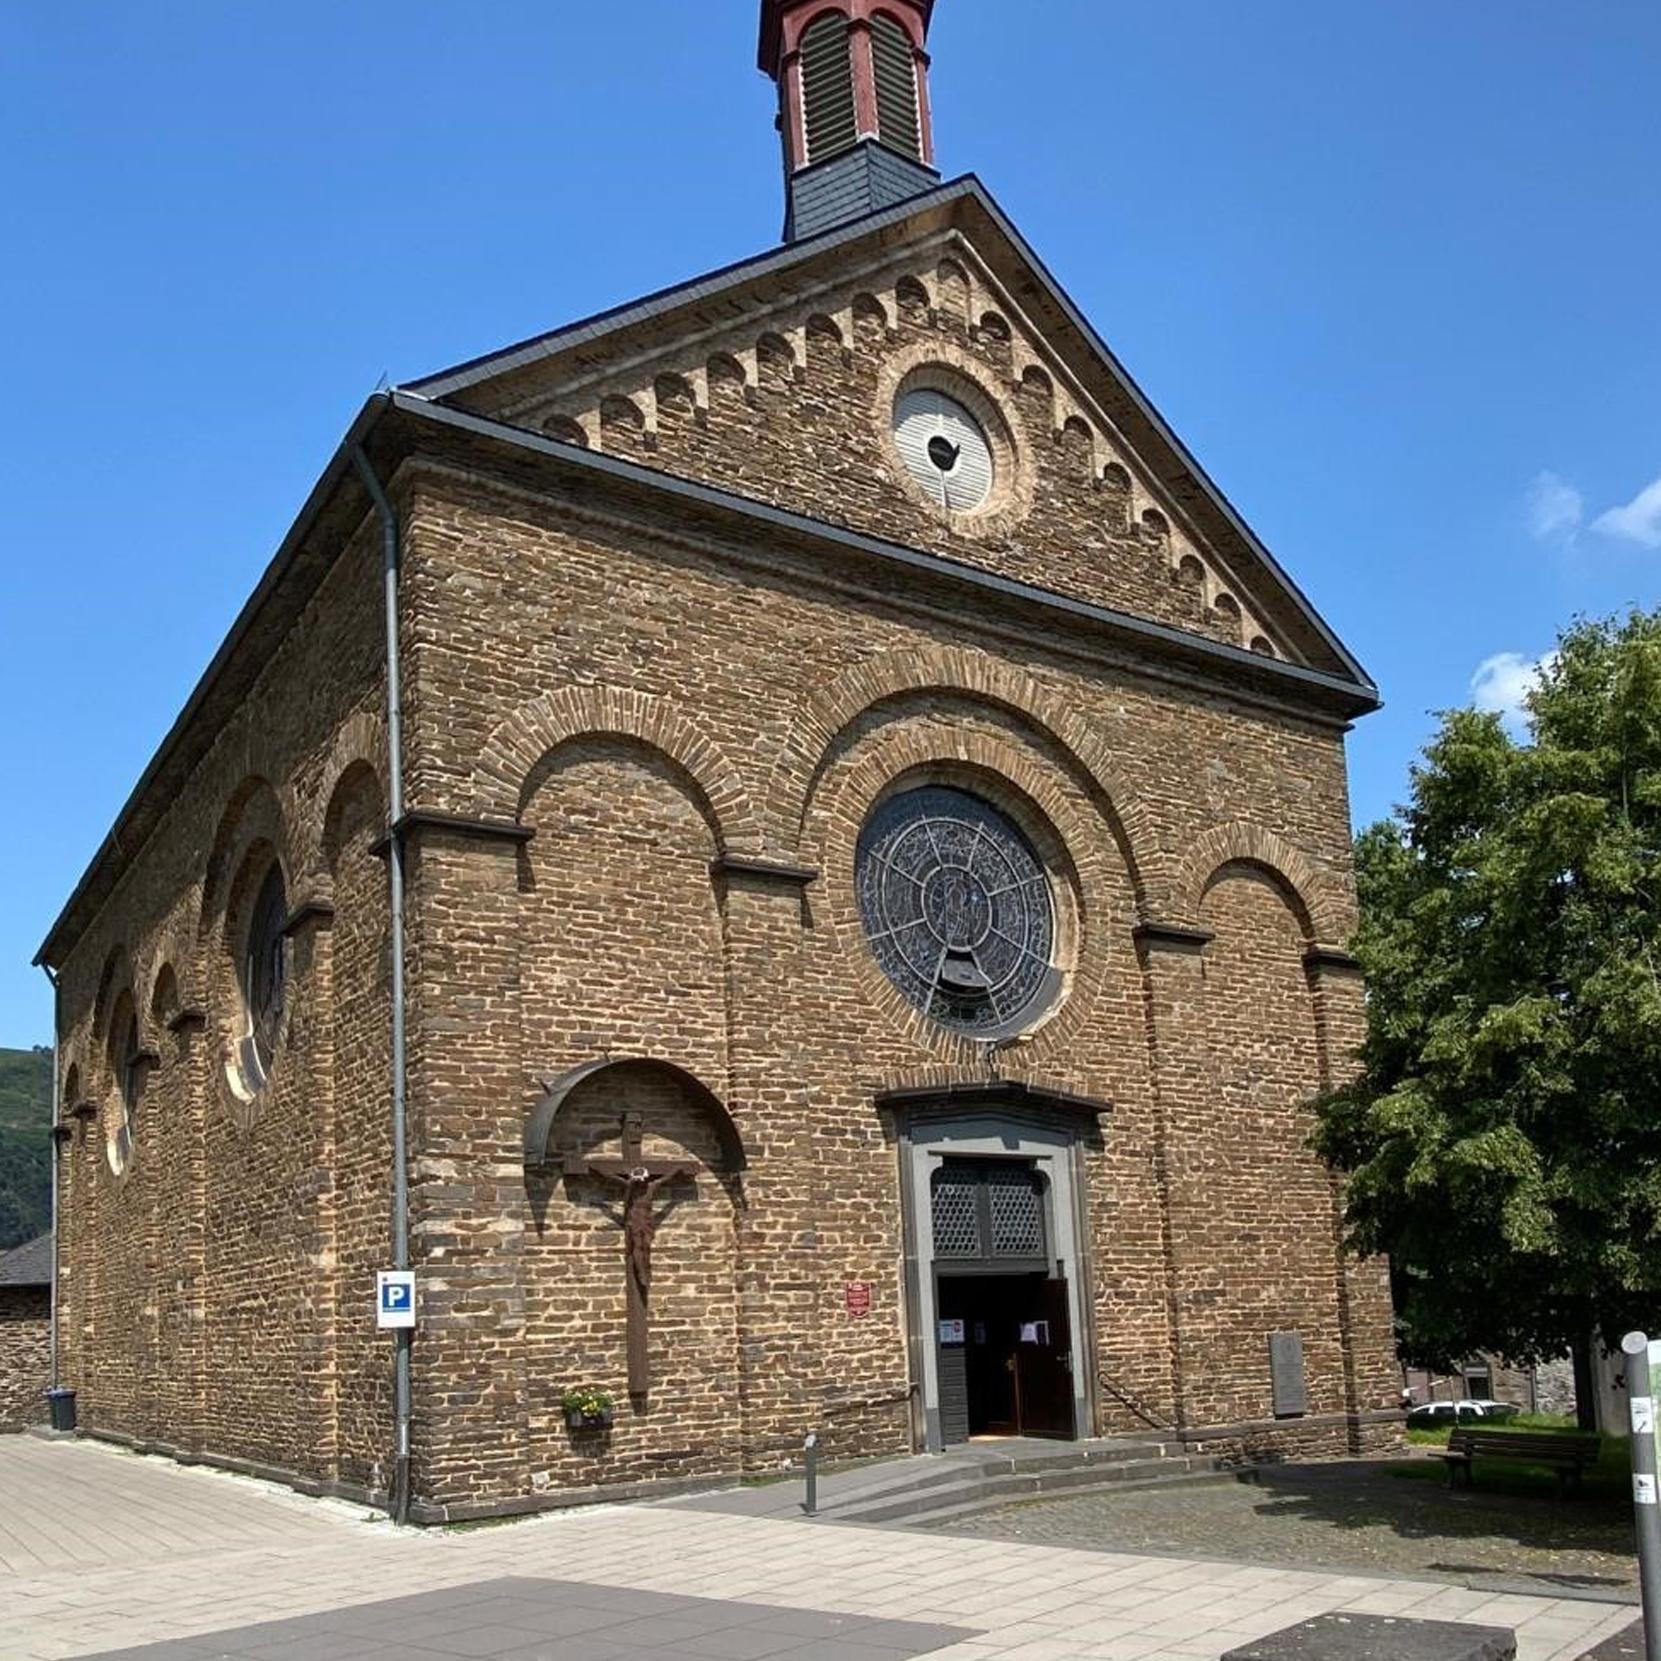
856, 1295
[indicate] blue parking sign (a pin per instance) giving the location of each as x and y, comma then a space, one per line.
395, 1298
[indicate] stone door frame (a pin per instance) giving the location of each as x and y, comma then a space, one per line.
928, 1137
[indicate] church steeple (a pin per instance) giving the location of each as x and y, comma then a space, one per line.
853, 80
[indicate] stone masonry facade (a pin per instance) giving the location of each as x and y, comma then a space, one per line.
25, 1355
639, 757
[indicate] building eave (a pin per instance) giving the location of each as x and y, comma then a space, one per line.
949, 204
1342, 696
1334, 697
338, 466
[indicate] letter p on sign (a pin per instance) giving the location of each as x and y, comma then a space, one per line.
395, 1298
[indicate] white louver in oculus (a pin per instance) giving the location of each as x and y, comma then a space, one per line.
944, 449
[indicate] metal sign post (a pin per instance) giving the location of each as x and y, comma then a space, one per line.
1646, 1504
810, 1452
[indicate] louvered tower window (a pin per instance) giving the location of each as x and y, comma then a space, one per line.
828, 88
896, 71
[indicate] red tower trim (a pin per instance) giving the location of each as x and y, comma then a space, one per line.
783, 23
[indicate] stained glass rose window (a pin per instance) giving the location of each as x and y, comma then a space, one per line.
957, 909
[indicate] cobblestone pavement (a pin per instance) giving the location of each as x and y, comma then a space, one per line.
1024, 1602
1346, 1516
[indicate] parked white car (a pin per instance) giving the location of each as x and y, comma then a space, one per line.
1434, 1415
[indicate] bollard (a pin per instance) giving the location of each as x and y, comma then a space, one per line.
810, 1463
1641, 1406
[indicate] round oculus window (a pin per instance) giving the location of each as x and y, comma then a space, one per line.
944, 448
956, 906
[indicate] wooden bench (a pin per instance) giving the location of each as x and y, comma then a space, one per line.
1568, 1456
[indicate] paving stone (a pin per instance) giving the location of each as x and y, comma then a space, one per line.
1380, 1638
562, 1621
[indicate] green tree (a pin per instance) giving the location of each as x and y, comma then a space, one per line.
25, 1145
1503, 1140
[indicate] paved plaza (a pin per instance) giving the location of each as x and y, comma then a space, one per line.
1356, 1517
103, 1552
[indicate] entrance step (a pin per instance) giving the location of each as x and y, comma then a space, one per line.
973, 1476
968, 1490
944, 1519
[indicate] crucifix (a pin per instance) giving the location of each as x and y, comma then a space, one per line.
640, 1179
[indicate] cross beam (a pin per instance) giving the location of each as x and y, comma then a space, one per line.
640, 1179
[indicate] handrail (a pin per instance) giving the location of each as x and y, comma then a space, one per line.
1126, 1399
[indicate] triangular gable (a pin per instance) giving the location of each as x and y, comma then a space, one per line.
579, 368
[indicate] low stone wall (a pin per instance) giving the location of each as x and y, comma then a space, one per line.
1320, 1436
25, 1355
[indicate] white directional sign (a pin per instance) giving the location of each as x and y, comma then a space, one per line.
395, 1298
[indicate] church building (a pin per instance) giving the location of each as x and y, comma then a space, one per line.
786, 853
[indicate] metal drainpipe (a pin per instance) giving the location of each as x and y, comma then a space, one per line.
57, 1112
395, 865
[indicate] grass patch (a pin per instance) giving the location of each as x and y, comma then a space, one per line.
1609, 1479
1559, 1424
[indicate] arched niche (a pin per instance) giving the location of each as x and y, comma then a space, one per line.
541, 1126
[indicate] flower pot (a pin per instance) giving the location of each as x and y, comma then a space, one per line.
588, 1421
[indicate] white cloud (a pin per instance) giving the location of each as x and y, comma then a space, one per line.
1639, 521
1554, 508
1502, 684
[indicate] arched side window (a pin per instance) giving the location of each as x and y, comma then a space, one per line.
827, 69
127, 1069
896, 77
264, 973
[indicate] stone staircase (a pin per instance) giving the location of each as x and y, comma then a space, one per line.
978, 1476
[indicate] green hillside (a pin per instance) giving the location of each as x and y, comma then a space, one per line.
25, 1145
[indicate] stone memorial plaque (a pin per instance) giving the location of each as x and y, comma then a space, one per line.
1286, 1371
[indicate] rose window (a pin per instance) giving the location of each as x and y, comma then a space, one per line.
956, 907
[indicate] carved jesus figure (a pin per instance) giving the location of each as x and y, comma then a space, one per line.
640, 1222
640, 1179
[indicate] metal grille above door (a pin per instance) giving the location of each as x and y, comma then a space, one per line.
956, 1206
1015, 1213
989, 1214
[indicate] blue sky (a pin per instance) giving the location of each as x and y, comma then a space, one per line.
1389, 269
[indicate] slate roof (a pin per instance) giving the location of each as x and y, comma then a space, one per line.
29, 1264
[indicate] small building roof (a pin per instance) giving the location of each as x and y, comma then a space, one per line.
29, 1264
